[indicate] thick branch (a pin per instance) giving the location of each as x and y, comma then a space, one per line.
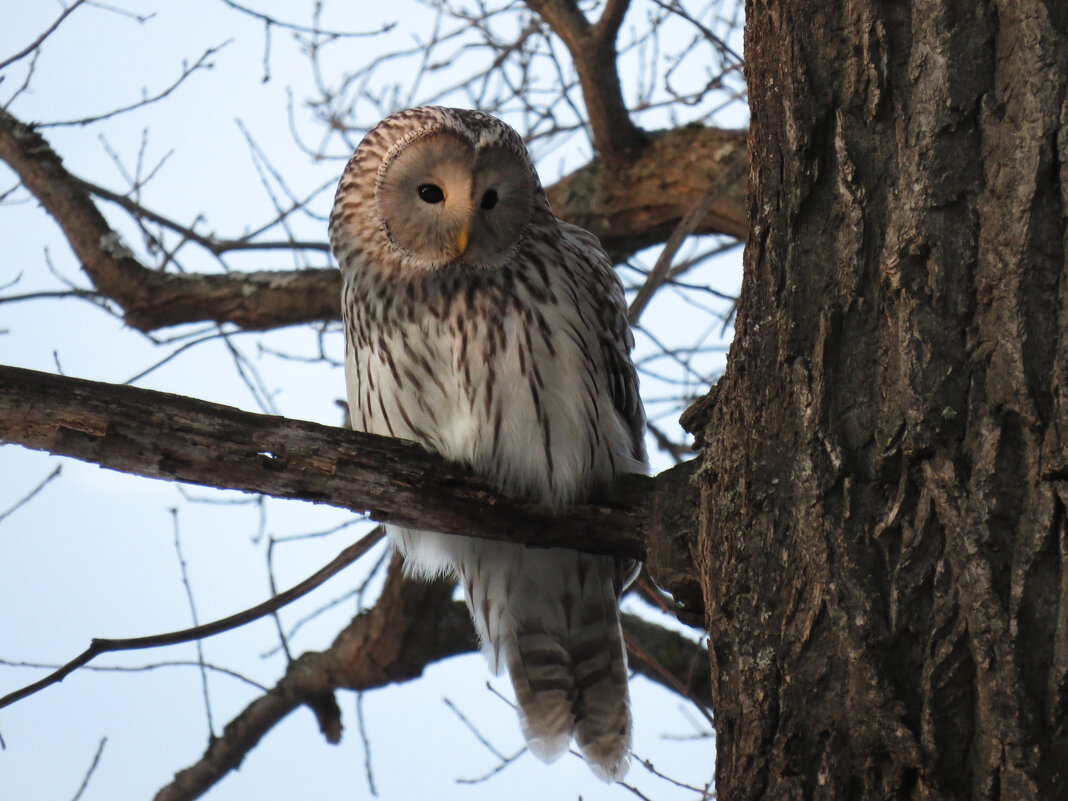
628, 206
669, 659
593, 51
181, 439
114, 271
152, 299
256, 301
639, 203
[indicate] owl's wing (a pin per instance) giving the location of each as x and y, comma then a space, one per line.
613, 332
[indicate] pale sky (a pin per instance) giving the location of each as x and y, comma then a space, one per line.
94, 554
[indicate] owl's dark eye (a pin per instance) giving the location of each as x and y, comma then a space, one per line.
431, 193
489, 200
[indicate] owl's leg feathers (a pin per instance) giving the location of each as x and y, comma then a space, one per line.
427, 554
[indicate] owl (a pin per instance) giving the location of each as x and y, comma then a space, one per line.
481, 326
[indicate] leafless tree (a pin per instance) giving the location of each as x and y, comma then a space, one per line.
654, 176
873, 530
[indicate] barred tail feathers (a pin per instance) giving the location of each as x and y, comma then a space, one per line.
552, 618
545, 693
602, 709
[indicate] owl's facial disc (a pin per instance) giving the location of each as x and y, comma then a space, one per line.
443, 201
502, 197
424, 197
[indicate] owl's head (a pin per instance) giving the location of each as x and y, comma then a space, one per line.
437, 186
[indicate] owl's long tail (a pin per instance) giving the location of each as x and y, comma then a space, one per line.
552, 618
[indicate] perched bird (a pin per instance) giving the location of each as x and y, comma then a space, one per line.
483, 327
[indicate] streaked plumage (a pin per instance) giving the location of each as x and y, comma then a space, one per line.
484, 328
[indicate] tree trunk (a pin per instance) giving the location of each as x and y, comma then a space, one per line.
884, 549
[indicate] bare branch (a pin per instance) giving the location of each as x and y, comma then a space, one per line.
153, 299
662, 269
215, 245
183, 568
628, 206
593, 50
31, 494
670, 660
171, 663
412, 625
611, 18
639, 203
676, 8
366, 742
702, 793
167, 436
269, 21
201, 63
103, 646
92, 768
32, 46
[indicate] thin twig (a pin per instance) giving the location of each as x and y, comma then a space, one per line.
634, 790
282, 640
101, 646
199, 64
92, 768
645, 763
178, 663
196, 622
268, 20
503, 761
678, 451
83, 294
362, 726
356, 593
47, 32
29, 497
687, 225
635, 649
211, 243
474, 730
676, 8
25, 81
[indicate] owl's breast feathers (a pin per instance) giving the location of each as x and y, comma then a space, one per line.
521, 371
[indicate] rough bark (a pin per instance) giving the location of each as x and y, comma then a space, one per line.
884, 548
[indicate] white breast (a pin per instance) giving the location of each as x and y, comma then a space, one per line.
531, 418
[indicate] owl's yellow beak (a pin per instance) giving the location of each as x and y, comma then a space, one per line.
461, 239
